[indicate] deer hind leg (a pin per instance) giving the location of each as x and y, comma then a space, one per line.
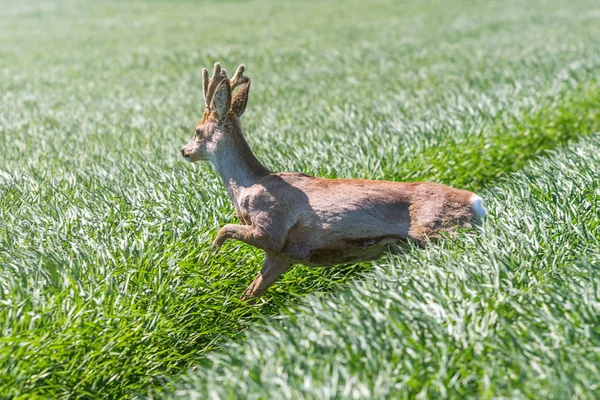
249, 235
272, 268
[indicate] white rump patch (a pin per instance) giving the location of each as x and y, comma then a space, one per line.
477, 206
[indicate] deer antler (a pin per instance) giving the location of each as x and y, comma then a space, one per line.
239, 78
209, 86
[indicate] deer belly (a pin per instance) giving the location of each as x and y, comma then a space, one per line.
343, 251
342, 238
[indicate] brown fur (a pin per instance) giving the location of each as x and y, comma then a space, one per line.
296, 218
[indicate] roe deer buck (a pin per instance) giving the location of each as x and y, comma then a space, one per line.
296, 218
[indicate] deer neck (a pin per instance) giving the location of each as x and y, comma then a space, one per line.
236, 164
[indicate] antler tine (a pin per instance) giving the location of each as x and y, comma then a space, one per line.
205, 86
217, 76
238, 77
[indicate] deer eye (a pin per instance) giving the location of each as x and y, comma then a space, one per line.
198, 132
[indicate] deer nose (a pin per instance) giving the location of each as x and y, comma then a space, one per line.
182, 150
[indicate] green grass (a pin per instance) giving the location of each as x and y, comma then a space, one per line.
107, 286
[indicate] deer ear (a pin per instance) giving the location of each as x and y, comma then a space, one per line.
240, 100
221, 101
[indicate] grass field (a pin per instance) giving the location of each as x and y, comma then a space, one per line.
108, 287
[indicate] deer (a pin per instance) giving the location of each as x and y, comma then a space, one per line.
300, 219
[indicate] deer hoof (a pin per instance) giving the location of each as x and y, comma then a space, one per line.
248, 299
219, 240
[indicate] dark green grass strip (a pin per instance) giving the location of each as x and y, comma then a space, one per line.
475, 162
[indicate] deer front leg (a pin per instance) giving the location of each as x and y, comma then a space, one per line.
226, 232
272, 268
249, 235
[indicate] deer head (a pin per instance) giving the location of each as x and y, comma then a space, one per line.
222, 114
